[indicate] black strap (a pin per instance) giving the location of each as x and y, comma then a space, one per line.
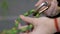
57, 33
58, 2
54, 16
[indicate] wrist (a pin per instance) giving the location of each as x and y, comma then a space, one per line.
58, 19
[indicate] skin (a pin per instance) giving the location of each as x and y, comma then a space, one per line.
43, 25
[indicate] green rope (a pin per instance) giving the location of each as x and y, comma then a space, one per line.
15, 29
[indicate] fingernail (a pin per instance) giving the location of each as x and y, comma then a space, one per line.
21, 16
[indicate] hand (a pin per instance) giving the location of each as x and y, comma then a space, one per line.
52, 10
41, 25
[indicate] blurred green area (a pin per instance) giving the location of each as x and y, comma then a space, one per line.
4, 6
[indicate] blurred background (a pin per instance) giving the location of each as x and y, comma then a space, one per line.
11, 9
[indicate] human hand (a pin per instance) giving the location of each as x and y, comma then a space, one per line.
52, 10
41, 25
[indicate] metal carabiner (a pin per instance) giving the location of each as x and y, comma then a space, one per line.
40, 6
43, 4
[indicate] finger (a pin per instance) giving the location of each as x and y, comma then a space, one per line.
27, 19
52, 10
19, 26
23, 33
39, 2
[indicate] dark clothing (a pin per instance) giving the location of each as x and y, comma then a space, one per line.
58, 2
57, 33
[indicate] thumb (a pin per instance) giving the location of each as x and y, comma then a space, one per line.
28, 19
23, 33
